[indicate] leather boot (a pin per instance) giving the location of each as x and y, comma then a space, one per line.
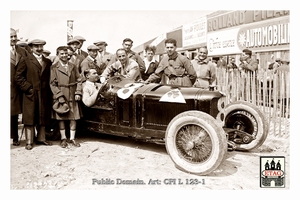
29, 135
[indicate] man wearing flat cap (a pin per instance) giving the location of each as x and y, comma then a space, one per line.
75, 59
16, 53
103, 58
247, 63
33, 77
79, 50
90, 61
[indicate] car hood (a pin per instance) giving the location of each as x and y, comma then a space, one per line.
173, 93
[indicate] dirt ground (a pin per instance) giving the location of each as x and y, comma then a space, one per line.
104, 161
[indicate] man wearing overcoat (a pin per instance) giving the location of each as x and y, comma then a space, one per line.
16, 54
33, 77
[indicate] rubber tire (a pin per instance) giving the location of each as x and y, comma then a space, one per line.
262, 124
211, 126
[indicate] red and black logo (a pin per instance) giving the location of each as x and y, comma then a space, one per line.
272, 172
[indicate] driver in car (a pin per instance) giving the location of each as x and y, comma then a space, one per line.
125, 66
90, 87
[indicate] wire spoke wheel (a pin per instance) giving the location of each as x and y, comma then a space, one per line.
194, 144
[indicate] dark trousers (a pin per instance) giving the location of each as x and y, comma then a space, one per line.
30, 133
14, 128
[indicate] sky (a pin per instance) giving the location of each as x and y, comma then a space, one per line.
109, 25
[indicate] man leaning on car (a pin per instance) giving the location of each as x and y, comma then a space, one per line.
176, 67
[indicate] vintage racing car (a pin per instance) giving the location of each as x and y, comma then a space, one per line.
195, 125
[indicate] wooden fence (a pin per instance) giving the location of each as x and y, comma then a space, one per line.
266, 89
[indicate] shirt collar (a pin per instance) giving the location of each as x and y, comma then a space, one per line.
205, 61
146, 60
64, 65
37, 56
90, 82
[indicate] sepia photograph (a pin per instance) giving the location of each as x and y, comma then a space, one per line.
150, 99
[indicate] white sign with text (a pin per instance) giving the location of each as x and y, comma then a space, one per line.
194, 33
223, 42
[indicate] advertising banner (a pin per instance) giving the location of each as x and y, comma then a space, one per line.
223, 42
271, 35
194, 33
265, 36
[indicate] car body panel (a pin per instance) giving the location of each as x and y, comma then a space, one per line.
144, 115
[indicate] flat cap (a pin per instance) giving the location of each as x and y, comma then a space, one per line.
247, 51
60, 108
46, 51
37, 41
80, 38
99, 42
92, 47
73, 41
22, 43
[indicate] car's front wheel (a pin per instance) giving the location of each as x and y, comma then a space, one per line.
196, 142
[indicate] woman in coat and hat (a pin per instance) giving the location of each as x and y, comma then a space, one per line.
66, 86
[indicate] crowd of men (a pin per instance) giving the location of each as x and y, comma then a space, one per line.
44, 88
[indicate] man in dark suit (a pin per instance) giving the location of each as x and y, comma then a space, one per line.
16, 53
103, 58
79, 50
90, 61
33, 77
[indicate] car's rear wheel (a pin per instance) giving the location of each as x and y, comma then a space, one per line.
246, 117
196, 142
